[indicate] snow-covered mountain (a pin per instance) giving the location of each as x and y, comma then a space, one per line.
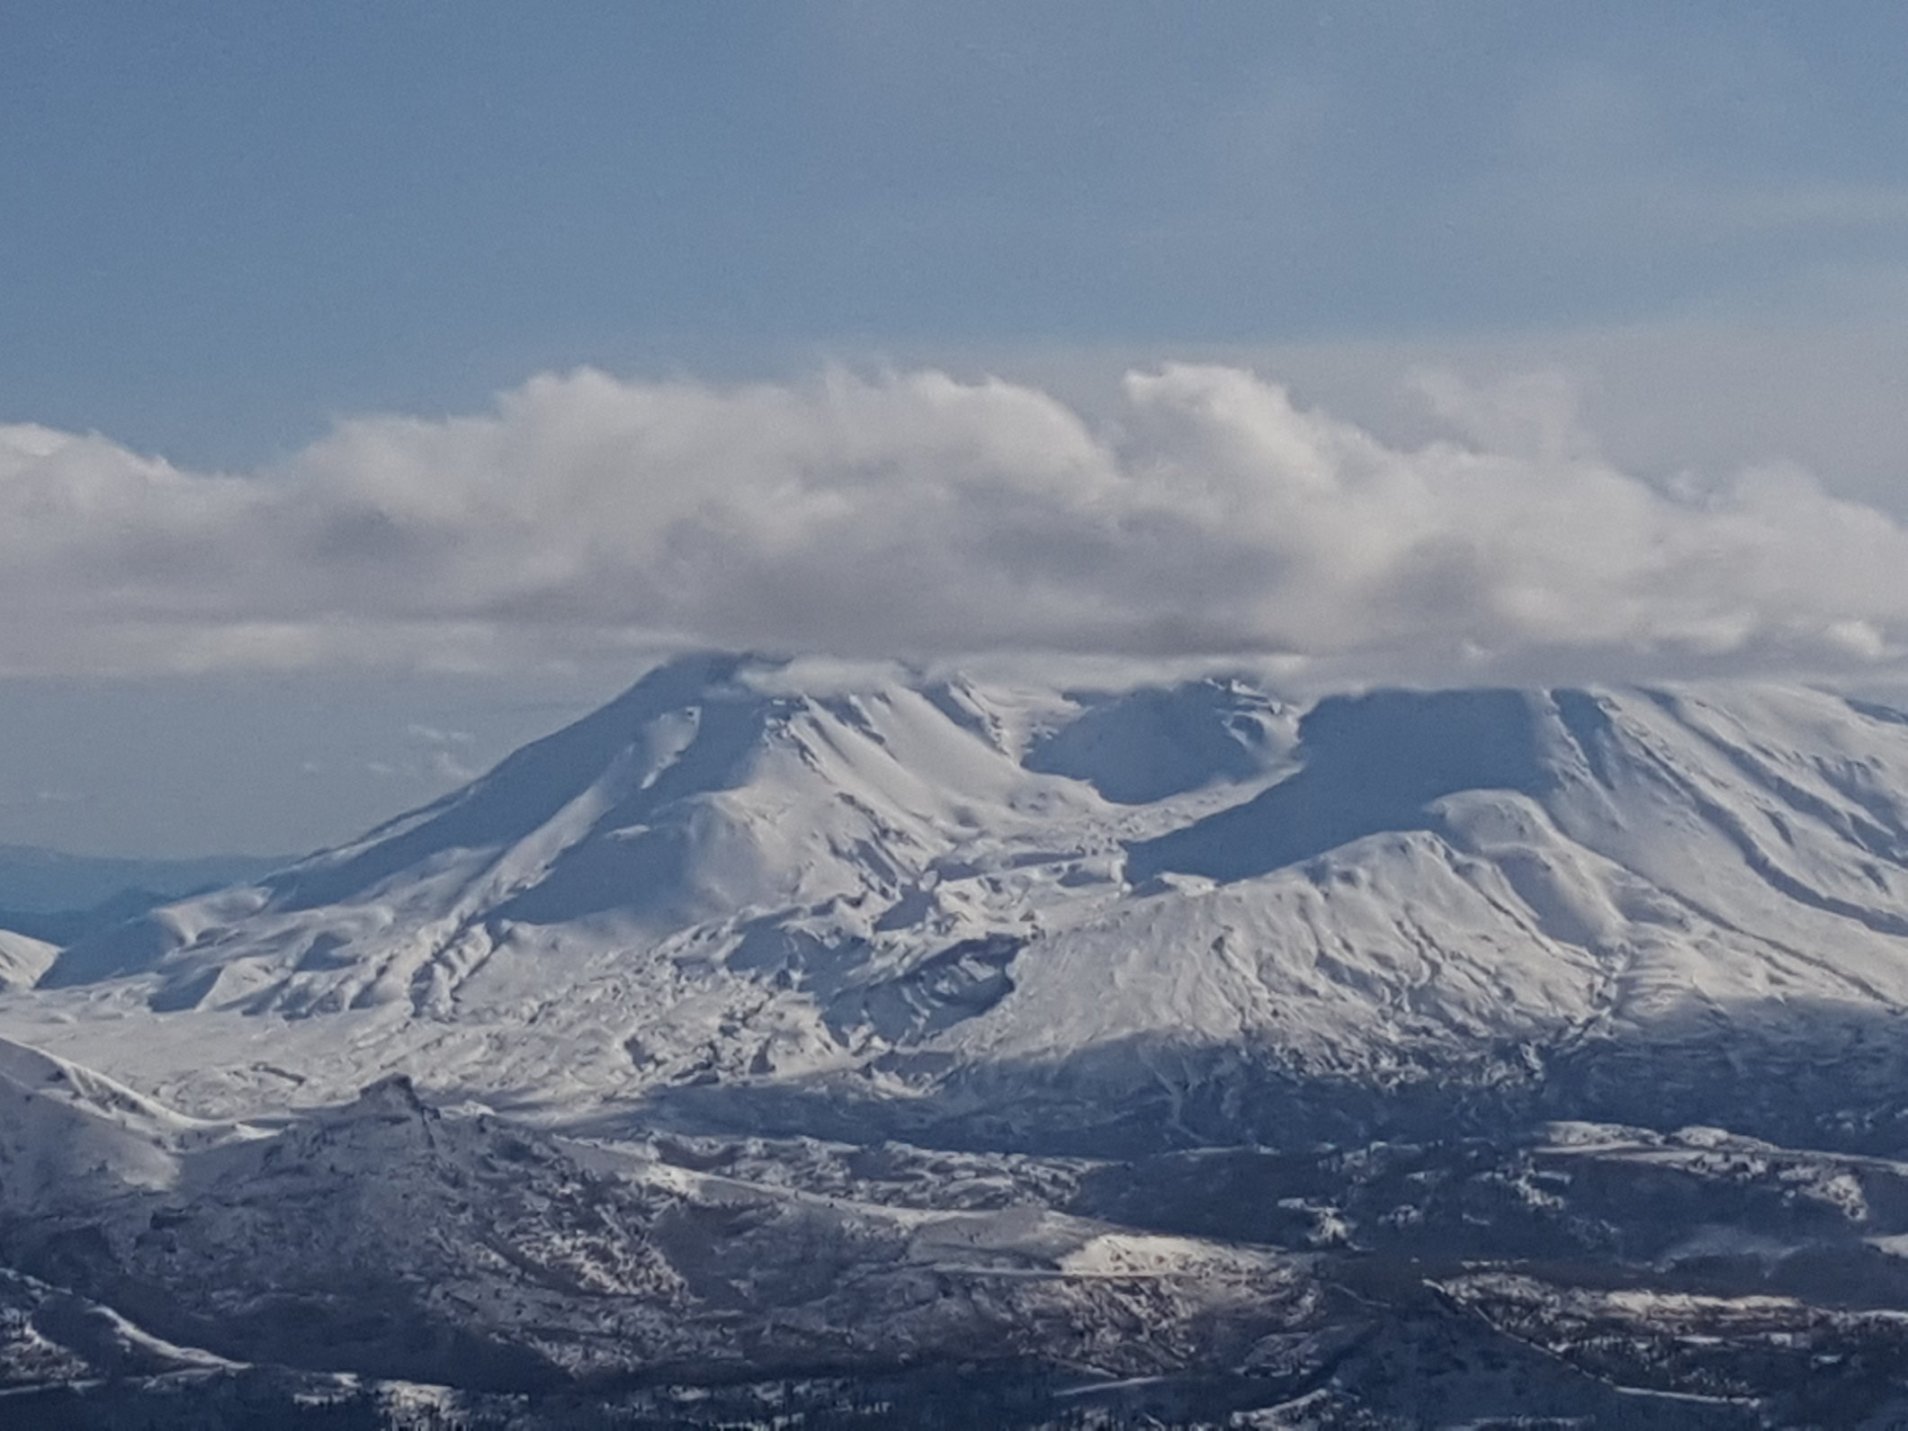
1460, 982
1011, 914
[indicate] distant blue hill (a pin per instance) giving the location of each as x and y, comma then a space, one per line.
59, 897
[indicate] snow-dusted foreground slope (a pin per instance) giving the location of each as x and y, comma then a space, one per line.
237, 1276
1141, 1031
387, 1236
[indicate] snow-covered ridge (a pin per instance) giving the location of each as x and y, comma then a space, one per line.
1007, 912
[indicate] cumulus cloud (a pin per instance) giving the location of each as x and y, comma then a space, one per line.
1202, 514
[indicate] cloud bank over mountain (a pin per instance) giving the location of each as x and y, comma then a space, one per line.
1202, 512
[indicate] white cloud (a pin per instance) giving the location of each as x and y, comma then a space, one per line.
1202, 513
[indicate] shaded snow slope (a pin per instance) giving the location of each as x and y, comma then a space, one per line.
1136, 747
71, 1136
993, 914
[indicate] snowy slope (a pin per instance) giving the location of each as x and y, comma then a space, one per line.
23, 960
737, 898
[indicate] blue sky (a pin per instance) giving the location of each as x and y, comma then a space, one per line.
1672, 239
229, 222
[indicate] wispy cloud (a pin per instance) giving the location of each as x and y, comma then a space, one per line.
1202, 512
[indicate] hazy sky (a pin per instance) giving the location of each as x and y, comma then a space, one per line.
1510, 338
